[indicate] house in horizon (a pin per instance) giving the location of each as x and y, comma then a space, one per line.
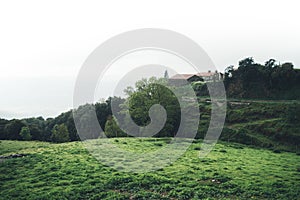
183, 79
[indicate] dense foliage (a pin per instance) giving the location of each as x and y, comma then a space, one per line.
25, 133
151, 92
60, 134
262, 81
42, 130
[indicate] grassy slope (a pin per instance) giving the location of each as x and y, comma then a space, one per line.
262, 123
68, 171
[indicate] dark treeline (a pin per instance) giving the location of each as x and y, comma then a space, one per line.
263, 81
46, 129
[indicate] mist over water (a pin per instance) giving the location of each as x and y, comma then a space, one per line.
32, 97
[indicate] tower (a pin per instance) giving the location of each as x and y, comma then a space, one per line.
166, 75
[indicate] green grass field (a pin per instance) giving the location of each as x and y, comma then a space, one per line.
68, 171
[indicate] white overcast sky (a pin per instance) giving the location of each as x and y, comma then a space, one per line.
44, 43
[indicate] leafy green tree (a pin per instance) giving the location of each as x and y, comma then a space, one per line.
60, 133
12, 129
84, 118
104, 109
102, 112
25, 133
147, 93
64, 118
36, 127
271, 80
112, 129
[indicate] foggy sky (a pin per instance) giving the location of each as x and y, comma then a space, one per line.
43, 45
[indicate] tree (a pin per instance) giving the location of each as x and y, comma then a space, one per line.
147, 93
12, 129
267, 81
25, 133
36, 127
60, 133
228, 71
87, 128
102, 112
3, 123
270, 63
112, 129
246, 62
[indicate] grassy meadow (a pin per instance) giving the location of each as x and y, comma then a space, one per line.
69, 171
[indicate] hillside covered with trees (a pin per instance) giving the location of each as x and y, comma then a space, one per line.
265, 123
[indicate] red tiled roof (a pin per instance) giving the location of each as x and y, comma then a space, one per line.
182, 76
206, 74
187, 76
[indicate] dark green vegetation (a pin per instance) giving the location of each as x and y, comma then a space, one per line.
148, 93
68, 171
42, 130
60, 133
263, 81
25, 133
269, 124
